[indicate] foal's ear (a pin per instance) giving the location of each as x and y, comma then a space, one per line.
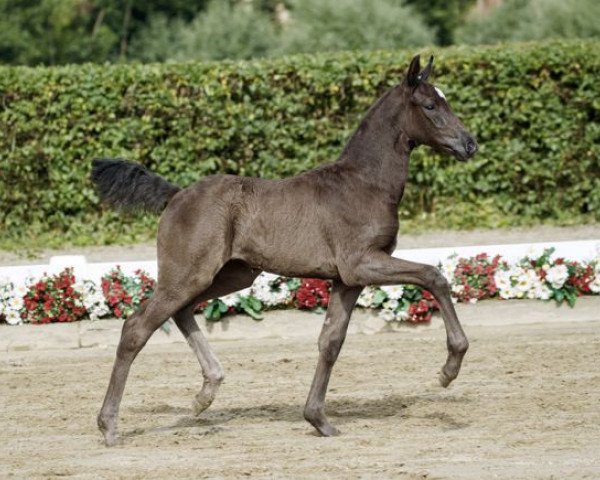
412, 75
427, 70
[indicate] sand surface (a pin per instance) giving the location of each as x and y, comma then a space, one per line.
526, 405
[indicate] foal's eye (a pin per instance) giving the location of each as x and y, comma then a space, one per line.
429, 107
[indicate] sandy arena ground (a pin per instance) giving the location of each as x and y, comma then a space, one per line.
526, 405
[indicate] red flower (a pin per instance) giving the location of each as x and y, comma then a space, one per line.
312, 292
30, 304
305, 298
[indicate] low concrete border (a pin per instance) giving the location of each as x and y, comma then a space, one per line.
292, 323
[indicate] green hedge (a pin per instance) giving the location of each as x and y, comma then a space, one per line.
535, 109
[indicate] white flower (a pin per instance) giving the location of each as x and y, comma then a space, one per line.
393, 292
387, 315
503, 280
230, 300
21, 291
557, 275
93, 300
541, 292
268, 292
523, 282
13, 318
391, 304
245, 292
15, 304
448, 267
595, 284
366, 297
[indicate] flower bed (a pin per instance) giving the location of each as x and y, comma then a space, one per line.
61, 298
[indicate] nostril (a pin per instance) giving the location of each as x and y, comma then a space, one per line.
471, 146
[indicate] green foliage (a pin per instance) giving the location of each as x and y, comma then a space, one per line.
518, 20
224, 31
215, 310
443, 15
322, 25
52, 32
534, 108
158, 41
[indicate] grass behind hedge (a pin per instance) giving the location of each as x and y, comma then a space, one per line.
535, 109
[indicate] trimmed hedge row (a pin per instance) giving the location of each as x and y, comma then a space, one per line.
535, 109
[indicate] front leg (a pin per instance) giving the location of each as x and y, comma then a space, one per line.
379, 268
333, 334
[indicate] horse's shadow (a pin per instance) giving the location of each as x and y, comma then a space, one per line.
342, 410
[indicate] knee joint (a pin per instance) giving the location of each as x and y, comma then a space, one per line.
131, 341
215, 375
459, 347
436, 281
330, 347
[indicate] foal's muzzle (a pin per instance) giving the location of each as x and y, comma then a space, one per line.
465, 147
470, 146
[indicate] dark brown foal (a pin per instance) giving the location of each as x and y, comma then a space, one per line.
338, 221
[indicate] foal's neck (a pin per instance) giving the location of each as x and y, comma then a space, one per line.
378, 152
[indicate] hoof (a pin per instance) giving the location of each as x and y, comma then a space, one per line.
445, 380
318, 420
109, 432
201, 403
328, 430
110, 440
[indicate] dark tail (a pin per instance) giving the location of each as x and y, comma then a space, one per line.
129, 186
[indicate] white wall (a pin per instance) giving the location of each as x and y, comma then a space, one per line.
577, 250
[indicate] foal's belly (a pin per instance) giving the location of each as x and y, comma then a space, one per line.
291, 245
290, 256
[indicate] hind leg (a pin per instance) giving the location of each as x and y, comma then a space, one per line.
137, 329
176, 288
233, 276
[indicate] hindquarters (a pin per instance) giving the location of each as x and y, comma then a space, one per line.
196, 229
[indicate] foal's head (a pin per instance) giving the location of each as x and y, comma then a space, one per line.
428, 119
